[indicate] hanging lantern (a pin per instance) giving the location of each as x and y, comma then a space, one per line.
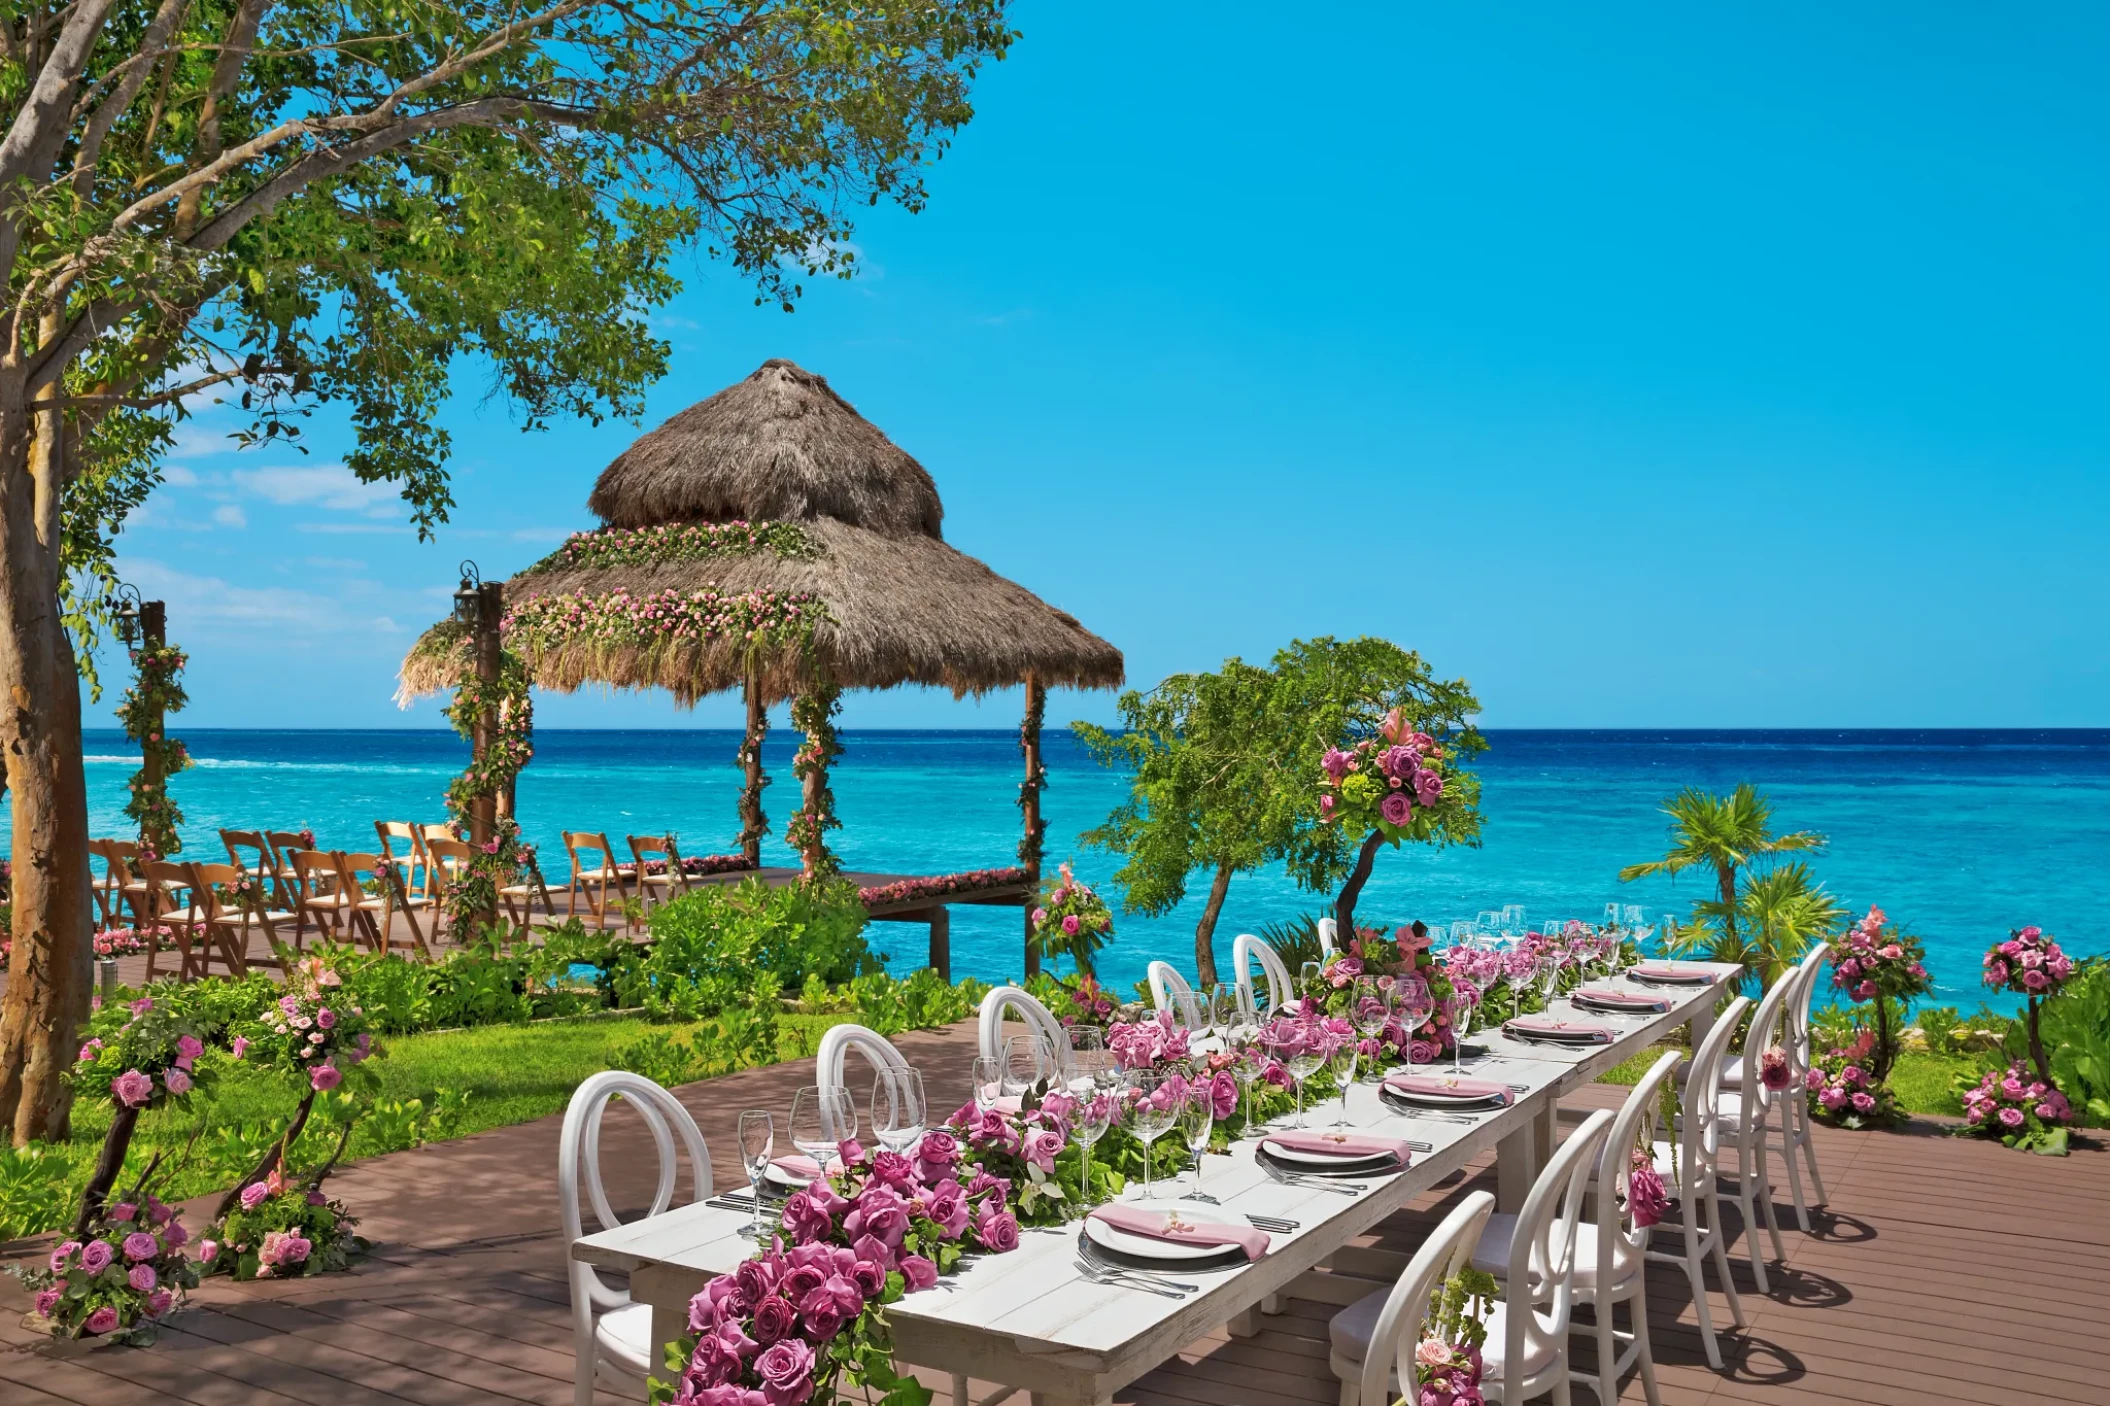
468, 601
124, 605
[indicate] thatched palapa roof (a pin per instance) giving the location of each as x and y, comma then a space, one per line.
900, 605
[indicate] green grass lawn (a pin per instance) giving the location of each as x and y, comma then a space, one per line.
1922, 1080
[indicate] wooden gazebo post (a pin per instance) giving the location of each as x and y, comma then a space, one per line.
753, 823
153, 634
484, 642
1030, 844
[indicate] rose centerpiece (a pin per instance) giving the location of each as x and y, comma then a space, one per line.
1071, 920
119, 1279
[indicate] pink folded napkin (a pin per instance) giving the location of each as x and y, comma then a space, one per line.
1448, 1086
1625, 1000
1548, 1026
804, 1168
1008, 1104
1171, 1226
1663, 971
1342, 1144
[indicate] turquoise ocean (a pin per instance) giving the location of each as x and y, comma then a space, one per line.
1960, 835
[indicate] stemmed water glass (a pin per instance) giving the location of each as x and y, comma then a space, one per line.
988, 1080
1223, 1011
1151, 1114
1458, 1009
1085, 1053
1415, 1007
758, 1145
1302, 1049
898, 1116
1341, 1052
1024, 1065
1197, 1123
1552, 957
1370, 1009
1094, 1114
1251, 1067
821, 1119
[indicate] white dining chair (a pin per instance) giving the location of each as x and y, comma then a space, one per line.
1169, 991
611, 1334
1526, 1353
1794, 1101
1329, 937
1247, 949
1611, 1249
1386, 1371
1016, 1000
1691, 1172
828, 1064
1744, 1114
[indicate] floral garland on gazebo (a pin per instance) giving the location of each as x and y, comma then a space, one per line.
154, 694
473, 894
673, 543
813, 713
660, 618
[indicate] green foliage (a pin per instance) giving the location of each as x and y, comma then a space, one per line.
38, 1186
2076, 1030
1780, 913
920, 1001
1724, 835
710, 945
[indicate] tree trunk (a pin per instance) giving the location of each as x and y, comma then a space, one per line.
1344, 906
272, 1160
1205, 930
2038, 1059
1725, 881
108, 1164
52, 974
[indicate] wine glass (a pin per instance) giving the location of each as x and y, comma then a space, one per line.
1197, 1123
898, 1116
1415, 1007
1094, 1115
758, 1144
1023, 1065
1303, 1050
1223, 1011
1458, 1010
1308, 976
820, 1120
1250, 1069
988, 1079
1370, 1009
1151, 1113
1086, 1050
1341, 1053
1552, 958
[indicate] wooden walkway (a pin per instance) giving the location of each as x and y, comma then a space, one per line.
1947, 1271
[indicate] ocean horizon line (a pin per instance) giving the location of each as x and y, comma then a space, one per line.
1624, 730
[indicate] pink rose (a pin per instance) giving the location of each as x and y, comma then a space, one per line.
786, 1370
918, 1271
175, 1236
1042, 1147
132, 1088
208, 1251
158, 1302
997, 1230
1070, 924
47, 1301
189, 1046
325, 1077
2012, 1117
178, 1082
142, 1278
254, 1195
241, 1046
123, 1211
1396, 809
1864, 1103
140, 1245
103, 1320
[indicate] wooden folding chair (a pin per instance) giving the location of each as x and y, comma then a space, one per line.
318, 891
414, 864
107, 888
596, 875
521, 896
226, 917
375, 913
172, 909
450, 860
669, 880
264, 868
284, 845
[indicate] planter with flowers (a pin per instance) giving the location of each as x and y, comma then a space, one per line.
1071, 920
116, 1281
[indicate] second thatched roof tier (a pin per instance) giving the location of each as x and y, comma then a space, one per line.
894, 610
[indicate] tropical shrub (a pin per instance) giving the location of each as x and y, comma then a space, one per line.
2076, 1030
710, 945
35, 1186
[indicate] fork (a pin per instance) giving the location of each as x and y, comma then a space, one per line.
1344, 1188
1094, 1256
1278, 1224
1120, 1280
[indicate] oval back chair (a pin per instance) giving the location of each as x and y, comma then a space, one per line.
1281, 989
1170, 991
1017, 1000
1402, 1321
836, 1043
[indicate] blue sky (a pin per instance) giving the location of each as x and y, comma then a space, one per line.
1645, 365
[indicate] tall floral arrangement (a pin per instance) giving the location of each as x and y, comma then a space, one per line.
2032, 965
1447, 1359
1071, 920
156, 692
152, 1059
813, 713
1876, 962
506, 704
804, 1320
1401, 961
1393, 784
117, 1279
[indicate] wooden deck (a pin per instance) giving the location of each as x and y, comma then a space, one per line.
1946, 1271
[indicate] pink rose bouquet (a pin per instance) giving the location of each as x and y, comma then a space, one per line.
119, 1280
2022, 1111
314, 1032
282, 1228
1845, 1089
1401, 960
2033, 966
1070, 920
147, 1052
1447, 1360
1399, 784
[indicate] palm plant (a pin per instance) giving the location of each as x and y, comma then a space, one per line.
1782, 912
1726, 834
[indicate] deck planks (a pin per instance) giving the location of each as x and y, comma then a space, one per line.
1936, 1259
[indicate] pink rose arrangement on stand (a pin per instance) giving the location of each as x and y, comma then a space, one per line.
805, 1319
2031, 965
1402, 961
118, 1280
150, 1051
1844, 1087
1877, 963
1070, 920
2023, 1111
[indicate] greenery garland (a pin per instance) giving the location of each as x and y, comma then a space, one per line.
813, 712
154, 694
660, 619
1031, 844
753, 823
473, 894
672, 543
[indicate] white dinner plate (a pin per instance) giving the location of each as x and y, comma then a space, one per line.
1427, 1100
1150, 1248
786, 1179
1299, 1157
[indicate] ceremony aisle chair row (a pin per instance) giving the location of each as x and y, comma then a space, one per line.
593, 871
1526, 1353
332, 887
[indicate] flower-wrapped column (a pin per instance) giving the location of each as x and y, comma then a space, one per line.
813, 712
1031, 842
753, 823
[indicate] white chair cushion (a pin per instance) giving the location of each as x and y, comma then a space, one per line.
1492, 1254
1729, 1108
1352, 1327
625, 1337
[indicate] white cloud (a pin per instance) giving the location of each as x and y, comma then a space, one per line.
359, 528
230, 516
210, 598
176, 476
331, 486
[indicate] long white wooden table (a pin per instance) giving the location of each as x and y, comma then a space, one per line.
1031, 1320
